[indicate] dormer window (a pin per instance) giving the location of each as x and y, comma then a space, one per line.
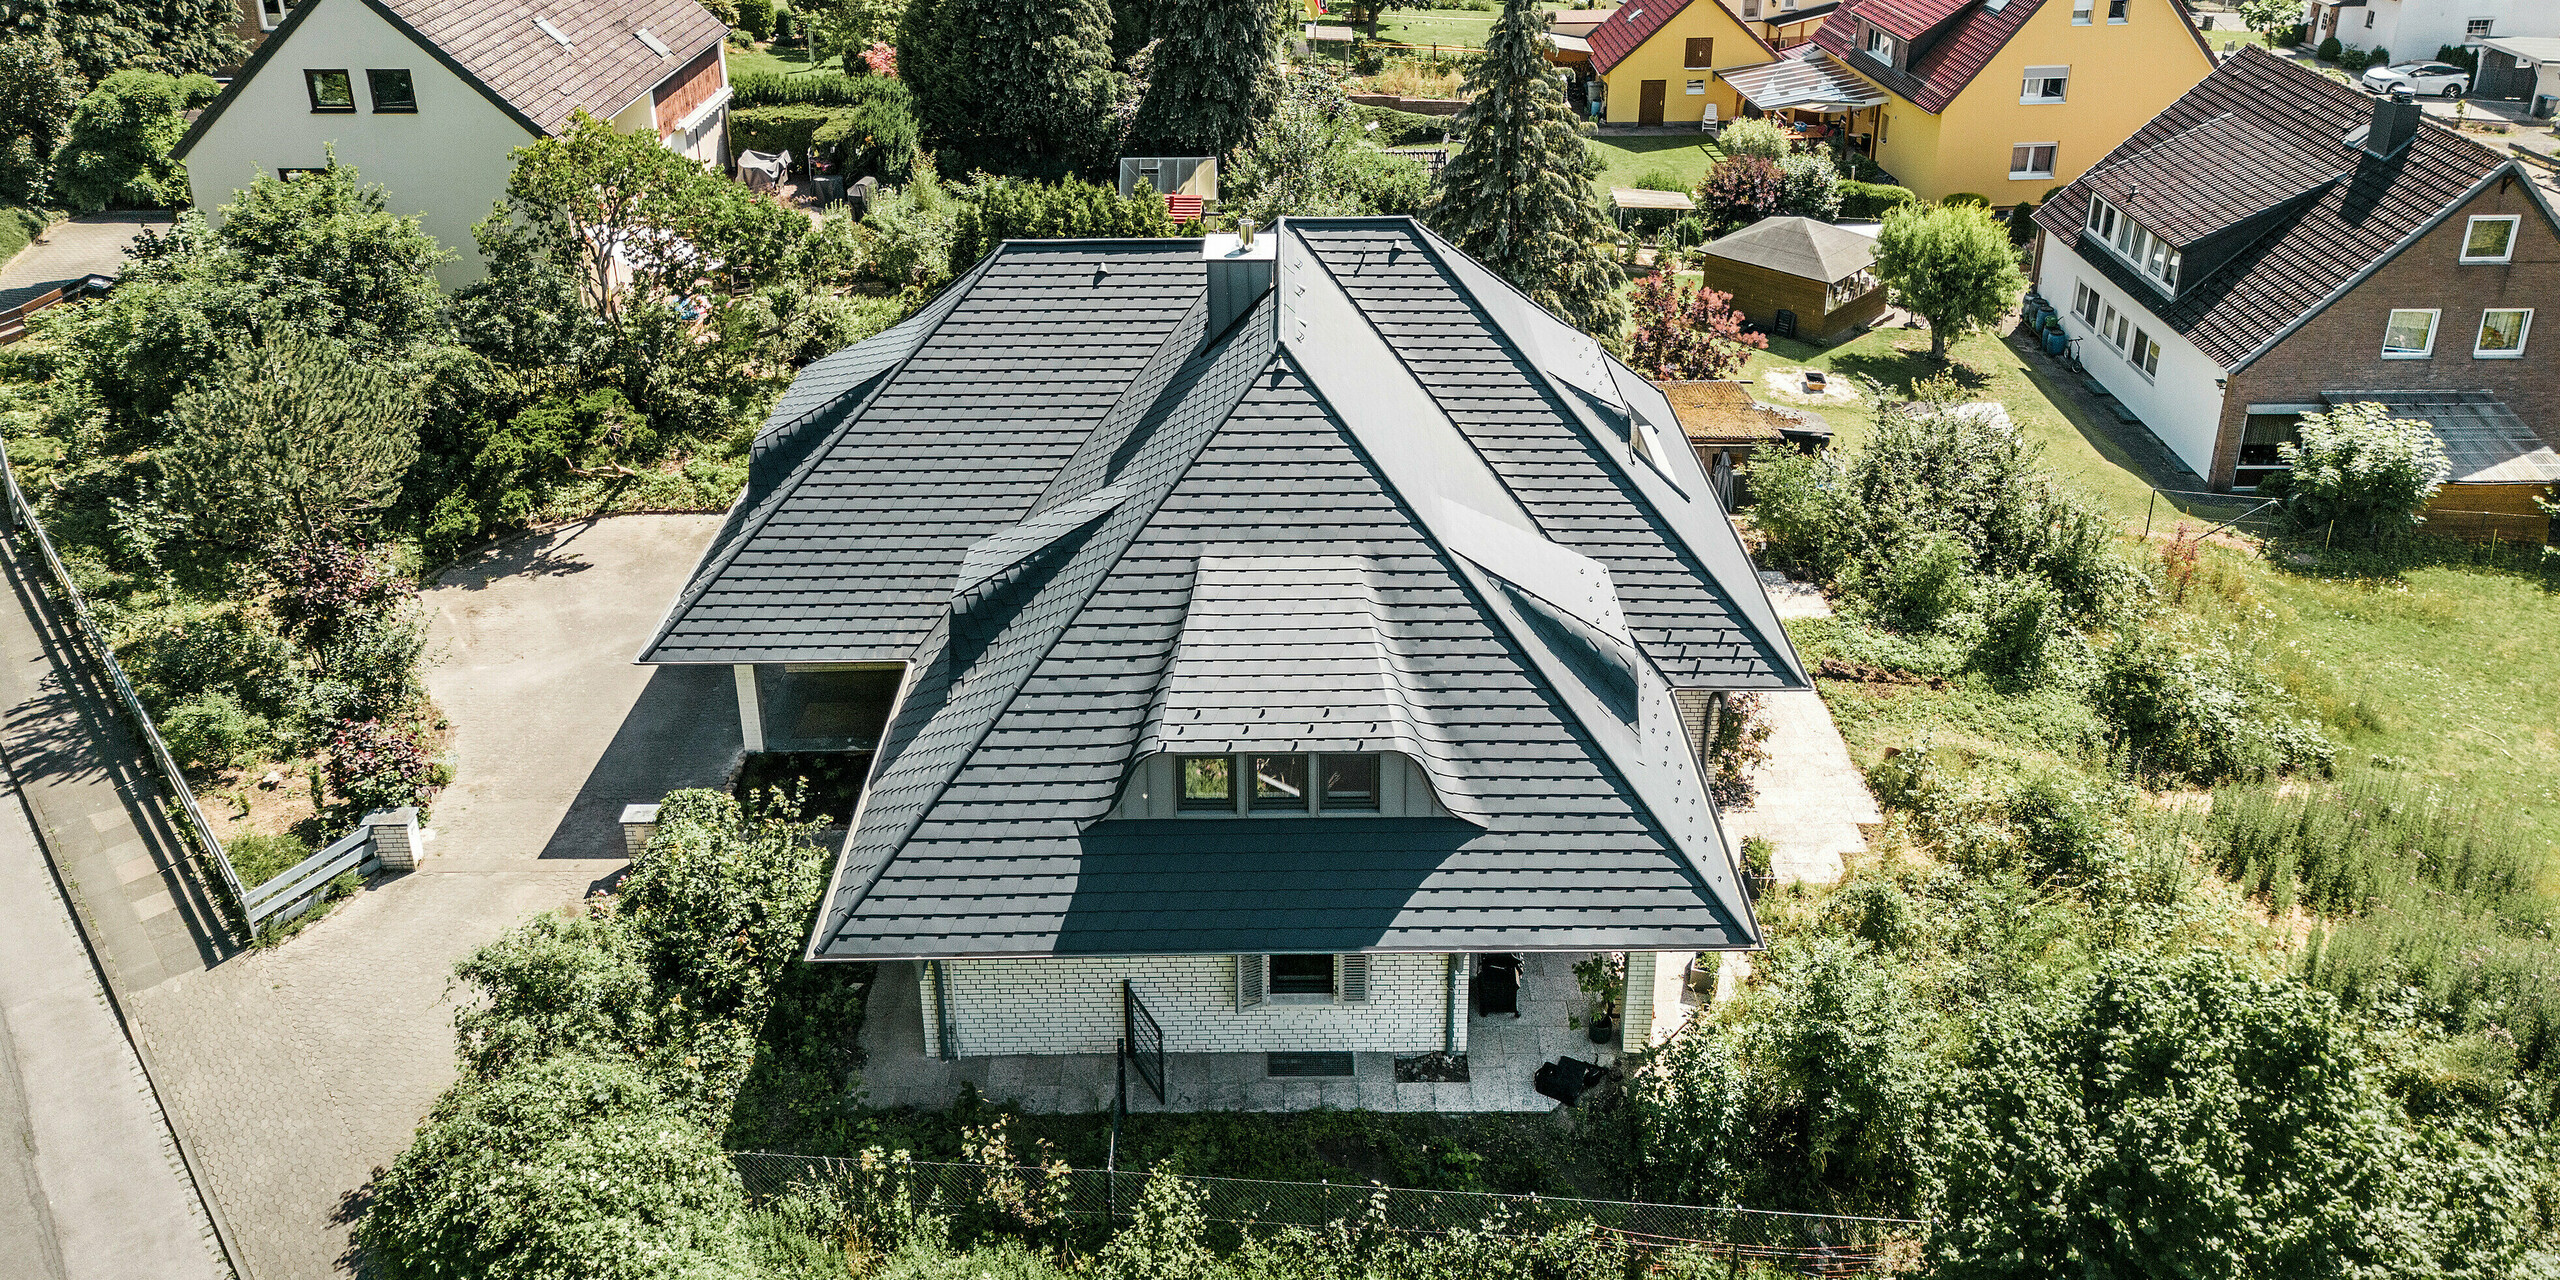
1880, 46
2147, 253
1330, 782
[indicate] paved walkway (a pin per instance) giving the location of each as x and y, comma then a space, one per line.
1813, 799
75, 250
292, 1073
92, 1186
1503, 1055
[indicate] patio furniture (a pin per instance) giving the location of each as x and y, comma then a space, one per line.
1567, 1079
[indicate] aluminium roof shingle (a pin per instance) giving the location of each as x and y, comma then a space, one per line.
1301, 535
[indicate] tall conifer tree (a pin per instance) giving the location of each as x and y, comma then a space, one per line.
1215, 75
1020, 87
1520, 196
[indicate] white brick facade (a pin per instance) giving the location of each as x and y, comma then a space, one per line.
1653, 1009
1072, 1005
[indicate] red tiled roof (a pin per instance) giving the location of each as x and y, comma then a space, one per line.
2309, 252
1973, 34
1973, 37
1911, 19
1635, 23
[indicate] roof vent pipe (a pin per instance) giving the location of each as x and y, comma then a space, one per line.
2395, 122
1240, 272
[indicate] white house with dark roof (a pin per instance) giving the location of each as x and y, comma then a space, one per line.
1269, 638
429, 97
2277, 244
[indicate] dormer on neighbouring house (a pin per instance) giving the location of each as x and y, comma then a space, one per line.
428, 97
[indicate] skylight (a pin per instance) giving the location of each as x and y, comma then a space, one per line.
656, 45
552, 31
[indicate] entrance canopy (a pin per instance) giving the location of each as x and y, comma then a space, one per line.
1815, 83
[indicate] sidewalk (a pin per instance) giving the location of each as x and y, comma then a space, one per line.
92, 1186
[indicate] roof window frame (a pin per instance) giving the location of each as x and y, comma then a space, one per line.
2471, 228
1318, 798
2435, 326
2524, 334
373, 90
311, 86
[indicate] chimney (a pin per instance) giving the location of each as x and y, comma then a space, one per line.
1240, 271
2395, 122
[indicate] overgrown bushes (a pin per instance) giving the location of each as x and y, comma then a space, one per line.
116, 153
860, 125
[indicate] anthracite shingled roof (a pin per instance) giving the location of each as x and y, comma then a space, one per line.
1423, 482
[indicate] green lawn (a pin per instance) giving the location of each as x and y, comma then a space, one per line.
1624, 159
1450, 28
2442, 669
788, 62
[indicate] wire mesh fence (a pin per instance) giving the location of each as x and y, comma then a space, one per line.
1801, 1243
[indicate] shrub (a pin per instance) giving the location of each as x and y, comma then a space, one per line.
569, 1167
1685, 334
1688, 231
1808, 186
756, 18
212, 732
2200, 714
2020, 631
320, 586
2462, 56
994, 210
377, 766
2380, 57
1399, 128
556, 984
2359, 467
911, 233
1736, 746
1758, 139
1920, 588
1741, 190
1660, 180
1801, 505
859, 124
1866, 201
2354, 60
117, 152
2329, 49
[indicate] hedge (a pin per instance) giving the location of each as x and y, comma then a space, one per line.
1867, 201
872, 132
834, 89
1401, 128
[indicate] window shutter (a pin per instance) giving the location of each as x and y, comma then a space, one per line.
1249, 984
1351, 979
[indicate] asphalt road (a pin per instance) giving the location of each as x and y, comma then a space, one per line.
91, 1186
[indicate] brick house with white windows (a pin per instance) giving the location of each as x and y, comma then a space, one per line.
429, 98
1283, 628
2277, 243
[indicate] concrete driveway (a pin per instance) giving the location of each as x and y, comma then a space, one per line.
70, 252
554, 728
293, 1072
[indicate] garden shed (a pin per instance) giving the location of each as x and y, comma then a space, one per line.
1726, 426
1798, 278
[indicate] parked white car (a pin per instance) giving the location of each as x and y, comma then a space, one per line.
2421, 78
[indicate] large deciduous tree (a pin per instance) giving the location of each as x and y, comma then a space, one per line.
101, 37
1215, 74
116, 152
1953, 266
38, 91
294, 442
1021, 87
1520, 196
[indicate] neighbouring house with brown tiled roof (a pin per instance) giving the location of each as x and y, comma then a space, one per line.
2277, 243
429, 97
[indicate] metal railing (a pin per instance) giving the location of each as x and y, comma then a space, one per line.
22, 515
1143, 1038
1807, 1244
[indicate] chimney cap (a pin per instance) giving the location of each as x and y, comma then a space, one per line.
1232, 247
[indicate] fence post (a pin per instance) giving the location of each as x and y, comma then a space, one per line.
395, 836
639, 822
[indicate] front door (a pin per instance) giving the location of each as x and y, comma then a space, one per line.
1649, 101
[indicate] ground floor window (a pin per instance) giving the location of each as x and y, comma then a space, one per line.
2260, 436
1302, 978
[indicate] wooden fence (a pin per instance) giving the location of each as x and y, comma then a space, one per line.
13, 322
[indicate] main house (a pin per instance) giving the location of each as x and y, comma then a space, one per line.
2277, 243
429, 98
1278, 626
2003, 99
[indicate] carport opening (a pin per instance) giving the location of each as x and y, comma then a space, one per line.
806, 707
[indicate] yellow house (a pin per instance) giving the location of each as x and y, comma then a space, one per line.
1783, 23
1656, 61
2008, 99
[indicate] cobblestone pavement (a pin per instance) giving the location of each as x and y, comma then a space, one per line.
72, 251
292, 1073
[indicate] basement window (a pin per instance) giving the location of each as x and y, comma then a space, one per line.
332, 92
